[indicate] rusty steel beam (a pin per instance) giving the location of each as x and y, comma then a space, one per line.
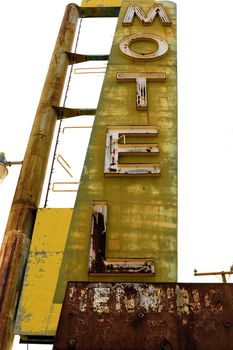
146, 316
16, 241
64, 112
79, 58
101, 11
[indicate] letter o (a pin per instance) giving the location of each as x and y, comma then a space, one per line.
130, 39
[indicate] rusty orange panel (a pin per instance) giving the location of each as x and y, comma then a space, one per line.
167, 316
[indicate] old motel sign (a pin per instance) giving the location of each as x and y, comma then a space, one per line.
123, 227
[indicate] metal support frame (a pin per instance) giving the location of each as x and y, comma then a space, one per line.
17, 237
16, 241
78, 58
99, 12
64, 112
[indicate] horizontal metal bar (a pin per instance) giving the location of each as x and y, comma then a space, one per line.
99, 12
64, 112
13, 163
64, 183
76, 127
85, 71
78, 58
36, 339
213, 273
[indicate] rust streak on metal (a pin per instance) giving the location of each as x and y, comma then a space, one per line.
19, 228
98, 238
98, 263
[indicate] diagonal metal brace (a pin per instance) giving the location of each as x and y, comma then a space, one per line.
64, 112
78, 58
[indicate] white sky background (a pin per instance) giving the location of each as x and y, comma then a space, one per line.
28, 30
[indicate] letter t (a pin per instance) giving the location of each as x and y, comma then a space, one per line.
141, 84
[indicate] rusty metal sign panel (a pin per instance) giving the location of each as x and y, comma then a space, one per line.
167, 316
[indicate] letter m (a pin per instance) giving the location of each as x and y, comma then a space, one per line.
156, 9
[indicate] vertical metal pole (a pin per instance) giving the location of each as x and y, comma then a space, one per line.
224, 280
16, 241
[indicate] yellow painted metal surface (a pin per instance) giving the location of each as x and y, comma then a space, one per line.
142, 211
101, 3
37, 315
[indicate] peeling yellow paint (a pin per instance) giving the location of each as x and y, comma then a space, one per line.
37, 314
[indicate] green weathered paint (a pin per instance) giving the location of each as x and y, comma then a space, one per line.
142, 211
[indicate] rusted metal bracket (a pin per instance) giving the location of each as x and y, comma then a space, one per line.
14, 163
86, 12
98, 263
78, 58
64, 112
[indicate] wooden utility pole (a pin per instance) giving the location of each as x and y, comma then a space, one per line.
16, 241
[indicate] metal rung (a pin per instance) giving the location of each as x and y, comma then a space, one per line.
57, 184
90, 70
76, 127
